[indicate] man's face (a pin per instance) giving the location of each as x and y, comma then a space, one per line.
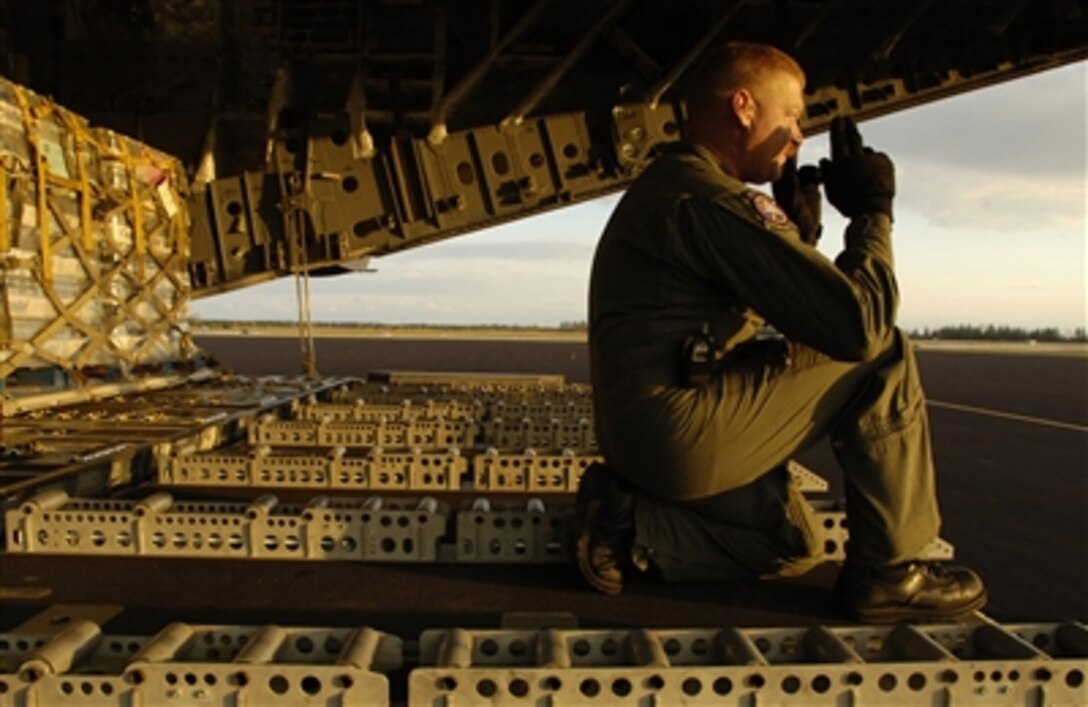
774, 131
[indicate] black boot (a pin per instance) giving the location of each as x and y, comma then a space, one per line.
603, 528
912, 591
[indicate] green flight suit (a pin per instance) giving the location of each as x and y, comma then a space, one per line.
690, 247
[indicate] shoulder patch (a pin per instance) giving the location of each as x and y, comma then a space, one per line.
768, 210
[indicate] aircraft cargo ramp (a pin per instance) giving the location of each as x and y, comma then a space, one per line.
349, 541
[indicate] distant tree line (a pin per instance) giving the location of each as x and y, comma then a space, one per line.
237, 323
959, 332
991, 332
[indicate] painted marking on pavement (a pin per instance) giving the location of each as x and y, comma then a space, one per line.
1010, 416
24, 592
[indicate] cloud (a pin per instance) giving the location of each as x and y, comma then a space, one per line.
963, 196
270, 300
530, 285
1006, 159
1025, 127
534, 282
491, 247
994, 301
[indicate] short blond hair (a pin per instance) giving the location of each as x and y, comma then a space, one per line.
734, 66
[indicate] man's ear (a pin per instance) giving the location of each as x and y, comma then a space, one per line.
744, 107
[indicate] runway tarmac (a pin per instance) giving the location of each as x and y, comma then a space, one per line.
1010, 435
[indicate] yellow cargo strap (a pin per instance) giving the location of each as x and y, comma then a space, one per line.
39, 174
5, 235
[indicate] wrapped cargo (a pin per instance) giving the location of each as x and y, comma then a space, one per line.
93, 251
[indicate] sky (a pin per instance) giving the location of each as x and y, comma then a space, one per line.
989, 229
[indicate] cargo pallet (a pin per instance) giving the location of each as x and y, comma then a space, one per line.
57, 659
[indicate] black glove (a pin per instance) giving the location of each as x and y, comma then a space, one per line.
856, 179
797, 191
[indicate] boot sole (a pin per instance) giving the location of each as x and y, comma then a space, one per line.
585, 567
900, 614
